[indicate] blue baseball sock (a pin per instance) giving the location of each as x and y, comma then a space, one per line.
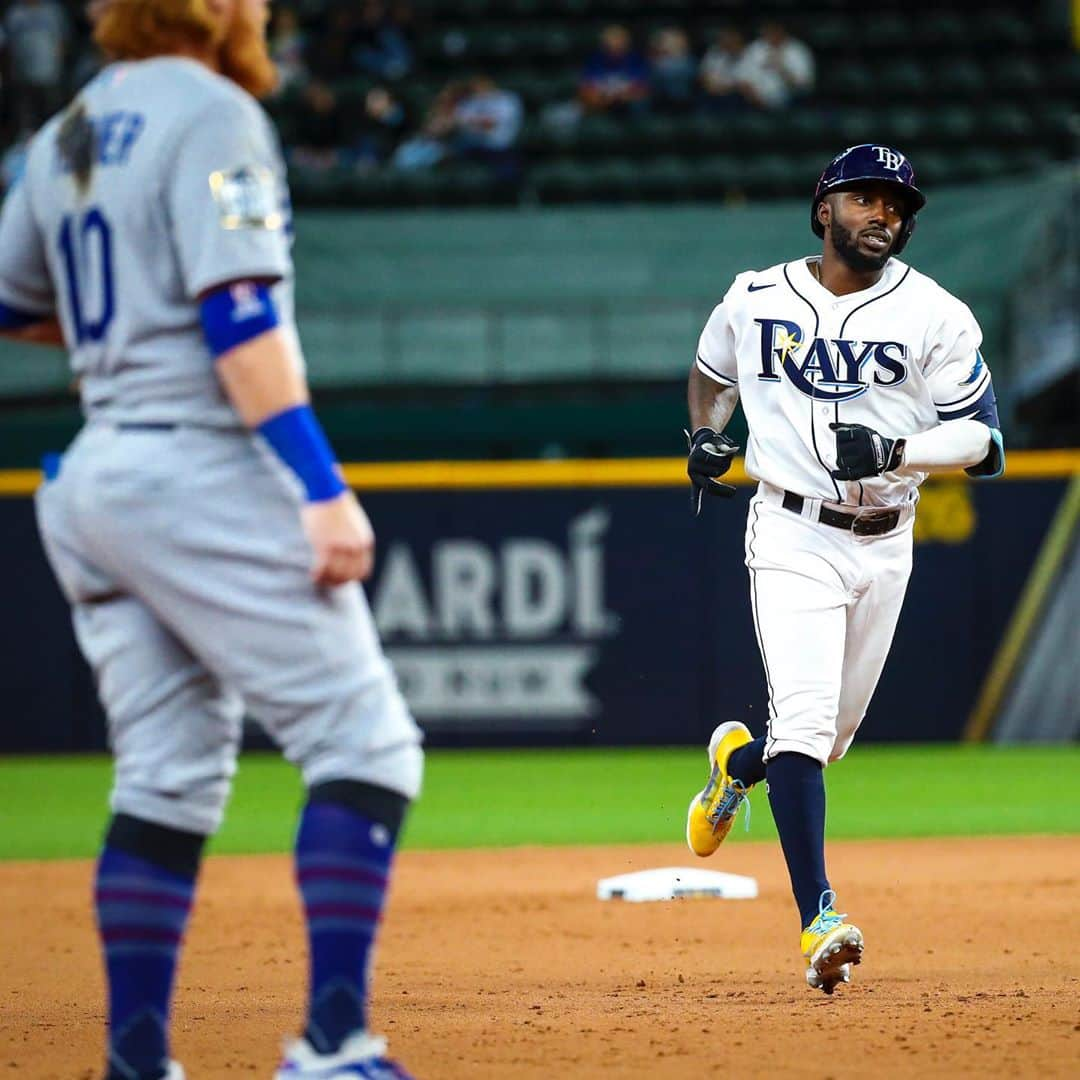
343, 858
142, 909
797, 797
746, 764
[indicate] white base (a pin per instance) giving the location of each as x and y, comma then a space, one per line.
677, 883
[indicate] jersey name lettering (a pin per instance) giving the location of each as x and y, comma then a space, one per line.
828, 369
115, 134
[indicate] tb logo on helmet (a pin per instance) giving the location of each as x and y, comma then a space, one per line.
891, 159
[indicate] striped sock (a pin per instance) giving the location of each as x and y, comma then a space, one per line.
142, 909
343, 866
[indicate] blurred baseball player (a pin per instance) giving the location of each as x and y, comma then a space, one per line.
199, 524
858, 376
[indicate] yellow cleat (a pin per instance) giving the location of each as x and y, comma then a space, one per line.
712, 811
831, 947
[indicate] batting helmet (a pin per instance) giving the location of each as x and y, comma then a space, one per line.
869, 161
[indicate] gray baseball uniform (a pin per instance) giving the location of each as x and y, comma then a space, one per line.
174, 533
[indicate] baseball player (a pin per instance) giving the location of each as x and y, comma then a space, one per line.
199, 525
858, 376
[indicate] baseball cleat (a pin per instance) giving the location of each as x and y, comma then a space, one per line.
360, 1057
831, 947
712, 811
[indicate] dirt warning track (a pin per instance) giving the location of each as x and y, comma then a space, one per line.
503, 964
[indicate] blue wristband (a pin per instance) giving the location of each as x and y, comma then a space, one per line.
235, 314
298, 439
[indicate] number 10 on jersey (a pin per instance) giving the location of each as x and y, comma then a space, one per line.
85, 244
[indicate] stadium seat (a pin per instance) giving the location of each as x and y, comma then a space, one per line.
1015, 74
960, 78
902, 80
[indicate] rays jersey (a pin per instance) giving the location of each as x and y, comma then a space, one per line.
899, 357
186, 191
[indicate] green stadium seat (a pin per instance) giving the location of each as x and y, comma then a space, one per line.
770, 175
856, 125
827, 34
847, 82
544, 345
615, 180
715, 176
941, 28
1000, 27
974, 166
756, 130
904, 125
1006, 124
665, 178
932, 168
1056, 121
904, 79
808, 126
959, 79
601, 134
1015, 75
1063, 74
952, 125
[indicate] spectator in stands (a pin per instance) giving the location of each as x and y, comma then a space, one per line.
429, 146
671, 69
382, 44
722, 72
475, 120
779, 69
37, 33
13, 161
616, 76
487, 123
288, 44
384, 127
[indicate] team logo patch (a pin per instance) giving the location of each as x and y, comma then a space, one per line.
246, 197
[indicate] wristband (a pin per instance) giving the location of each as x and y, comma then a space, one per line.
298, 439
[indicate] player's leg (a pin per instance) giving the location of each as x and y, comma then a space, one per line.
799, 593
871, 623
799, 600
309, 665
173, 735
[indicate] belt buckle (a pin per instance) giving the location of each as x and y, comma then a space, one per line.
874, 521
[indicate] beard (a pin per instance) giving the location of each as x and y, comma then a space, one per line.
245, 58
846, 245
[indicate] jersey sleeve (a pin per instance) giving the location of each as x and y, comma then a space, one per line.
25, 285
716, 347
226, 197
957, 375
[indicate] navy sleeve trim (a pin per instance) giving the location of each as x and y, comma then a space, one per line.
12, 318
710, 370
983, 408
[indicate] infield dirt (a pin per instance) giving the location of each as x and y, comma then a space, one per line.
503, 964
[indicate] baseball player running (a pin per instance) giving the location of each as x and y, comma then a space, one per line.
199, 525
858, 376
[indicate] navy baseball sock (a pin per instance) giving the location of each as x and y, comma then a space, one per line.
143, 892
746, 764
343, 853
797, 797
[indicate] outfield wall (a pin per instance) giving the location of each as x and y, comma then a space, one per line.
579, 602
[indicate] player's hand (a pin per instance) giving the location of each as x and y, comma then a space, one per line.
710, 457
861, 451
342, 540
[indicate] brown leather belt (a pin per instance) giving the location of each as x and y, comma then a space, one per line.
869, 522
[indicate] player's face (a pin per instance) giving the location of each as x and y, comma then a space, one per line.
244, 56
864, 224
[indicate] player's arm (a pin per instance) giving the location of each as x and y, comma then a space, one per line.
712, 393
228, 231
27, 306
258, 364
967, 436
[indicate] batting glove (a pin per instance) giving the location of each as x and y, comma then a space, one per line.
710, 457
861, 451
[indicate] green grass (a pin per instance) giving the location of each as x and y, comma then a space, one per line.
55, 807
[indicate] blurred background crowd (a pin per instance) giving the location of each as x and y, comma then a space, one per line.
488, 101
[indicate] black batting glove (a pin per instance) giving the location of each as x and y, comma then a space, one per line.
861, 451
710, 457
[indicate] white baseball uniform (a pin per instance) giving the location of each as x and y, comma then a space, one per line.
900, 357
